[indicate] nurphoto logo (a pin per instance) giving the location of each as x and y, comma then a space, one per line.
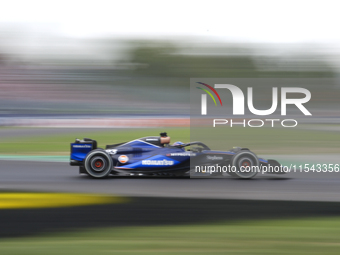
239, 104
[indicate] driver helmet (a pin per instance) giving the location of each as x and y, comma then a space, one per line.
177, 143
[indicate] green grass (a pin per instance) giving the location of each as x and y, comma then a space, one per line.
60, 144
270, 140
260, 140
300, 236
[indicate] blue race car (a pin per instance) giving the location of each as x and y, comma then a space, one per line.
153, 155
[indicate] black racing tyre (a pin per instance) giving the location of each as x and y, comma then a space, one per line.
98, 164
245, 165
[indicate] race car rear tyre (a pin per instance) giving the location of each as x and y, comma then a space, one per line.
244, 165
98, 164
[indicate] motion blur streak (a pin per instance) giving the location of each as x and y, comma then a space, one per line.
21, 200
114, 71
151, 78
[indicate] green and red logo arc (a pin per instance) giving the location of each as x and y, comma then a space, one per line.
209, 93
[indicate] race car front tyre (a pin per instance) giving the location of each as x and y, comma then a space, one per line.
98, 164
245, 165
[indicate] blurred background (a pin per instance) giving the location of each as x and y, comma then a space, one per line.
119, 59
118, 70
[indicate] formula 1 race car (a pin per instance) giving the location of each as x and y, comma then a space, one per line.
153, 155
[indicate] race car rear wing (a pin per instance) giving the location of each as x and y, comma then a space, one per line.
79, 150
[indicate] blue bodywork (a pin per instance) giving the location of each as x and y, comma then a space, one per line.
148, 155
80, 150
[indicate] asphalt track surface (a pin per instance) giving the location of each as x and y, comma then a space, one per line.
61, 177
161, 201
